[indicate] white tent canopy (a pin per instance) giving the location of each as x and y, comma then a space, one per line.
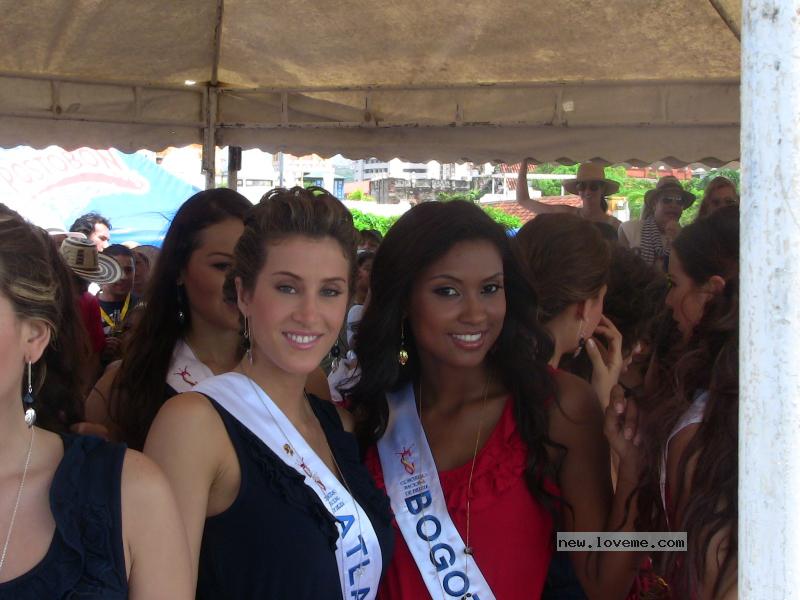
565, 80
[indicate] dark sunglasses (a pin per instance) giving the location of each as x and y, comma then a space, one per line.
671, 199
589, 185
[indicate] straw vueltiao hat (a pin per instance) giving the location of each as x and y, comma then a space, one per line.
591, 172
85, 261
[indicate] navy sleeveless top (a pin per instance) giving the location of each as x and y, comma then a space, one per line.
85, 559
277, 539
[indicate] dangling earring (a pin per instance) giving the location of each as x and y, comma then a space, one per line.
335, 354
181, 314
27, 402
402, 356
581, 341
248, 342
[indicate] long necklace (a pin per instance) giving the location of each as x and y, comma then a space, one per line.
468, 550
16, 504
291, 451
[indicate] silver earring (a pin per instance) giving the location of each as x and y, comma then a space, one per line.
581, 341
248, 340
27, 401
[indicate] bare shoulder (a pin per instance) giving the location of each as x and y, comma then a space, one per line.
143, 483
190, 405
186, 423
576, 398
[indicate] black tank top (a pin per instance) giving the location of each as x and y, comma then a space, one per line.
86, 558
277, 540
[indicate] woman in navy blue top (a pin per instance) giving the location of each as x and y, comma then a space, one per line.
79, 518
269, 484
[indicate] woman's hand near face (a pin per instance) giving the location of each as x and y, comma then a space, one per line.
621, 427
606, 359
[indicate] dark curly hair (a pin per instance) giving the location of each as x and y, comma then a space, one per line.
706, 248
420, 237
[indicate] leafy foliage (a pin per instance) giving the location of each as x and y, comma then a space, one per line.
506, 220
360, 195
363, 220
470, 196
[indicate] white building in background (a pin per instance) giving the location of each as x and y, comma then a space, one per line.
373, 168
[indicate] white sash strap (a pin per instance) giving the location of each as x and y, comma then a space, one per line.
358, 553
185, 371
420, 510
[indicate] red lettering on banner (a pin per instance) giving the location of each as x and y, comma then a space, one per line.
8, 177
61, 164
20, 172
34, 169
42, 164
109, 159
73, 160
88, 157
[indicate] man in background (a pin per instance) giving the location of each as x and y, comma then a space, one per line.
95, 227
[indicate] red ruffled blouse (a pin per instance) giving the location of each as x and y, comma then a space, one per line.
510, 532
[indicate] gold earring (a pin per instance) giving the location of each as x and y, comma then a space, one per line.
402, 356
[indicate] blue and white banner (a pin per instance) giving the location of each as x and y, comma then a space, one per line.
358, 552
52, 187
419, 506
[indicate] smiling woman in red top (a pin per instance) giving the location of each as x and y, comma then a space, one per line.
478, 460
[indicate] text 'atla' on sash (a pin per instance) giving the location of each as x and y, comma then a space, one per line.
358, 552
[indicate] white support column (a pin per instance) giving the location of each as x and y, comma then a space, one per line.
769, 403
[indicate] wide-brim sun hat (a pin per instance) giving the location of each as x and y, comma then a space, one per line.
591, 172
669, 184
87, 263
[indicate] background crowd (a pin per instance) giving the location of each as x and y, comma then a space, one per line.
237, 414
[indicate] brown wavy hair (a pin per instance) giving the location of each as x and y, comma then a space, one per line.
38, 285
706, 248
565, 259
312, 212
713, 185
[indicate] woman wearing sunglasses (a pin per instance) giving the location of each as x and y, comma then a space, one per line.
590, 184
651, 236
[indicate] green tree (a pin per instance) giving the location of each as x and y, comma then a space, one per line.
360, 195
363, 220
503, 218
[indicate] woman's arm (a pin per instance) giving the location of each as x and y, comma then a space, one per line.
97, 408
577, 423
186, 440
524, 199
156, 551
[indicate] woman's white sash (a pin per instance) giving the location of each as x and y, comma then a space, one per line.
358, 553
185, 371
420, 510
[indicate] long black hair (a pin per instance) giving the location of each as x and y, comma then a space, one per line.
421, 236
706, 248
139, 387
